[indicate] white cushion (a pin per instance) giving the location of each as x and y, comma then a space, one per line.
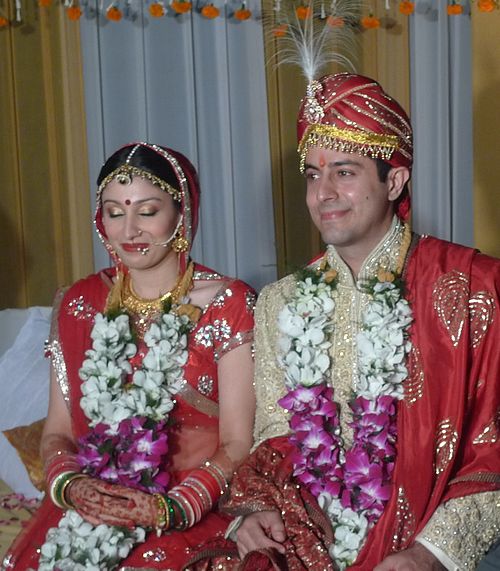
24, 389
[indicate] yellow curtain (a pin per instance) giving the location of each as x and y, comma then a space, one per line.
45, 233
486, 90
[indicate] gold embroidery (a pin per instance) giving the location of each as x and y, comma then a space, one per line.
450, 297
237, 340
487, 477
482, 307
350, 302
414, 384
404, 528
53, 347
445, 445
465, 528
489, 433
370, 144
190, 395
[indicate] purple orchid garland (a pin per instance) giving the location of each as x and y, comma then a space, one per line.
132, 455
362, 481
351, 485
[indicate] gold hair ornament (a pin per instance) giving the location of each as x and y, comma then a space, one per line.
125, 173
348, 141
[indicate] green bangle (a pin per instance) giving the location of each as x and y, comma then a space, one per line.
171, 510
58, 488
183, 524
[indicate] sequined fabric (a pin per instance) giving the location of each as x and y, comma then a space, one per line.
465, 528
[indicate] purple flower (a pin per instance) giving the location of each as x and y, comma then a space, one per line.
130, 455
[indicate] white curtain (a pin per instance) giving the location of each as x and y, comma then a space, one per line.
198, 86
441, 93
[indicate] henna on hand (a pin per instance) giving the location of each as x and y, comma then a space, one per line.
102, 502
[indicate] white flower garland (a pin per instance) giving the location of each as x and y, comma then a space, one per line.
109, 398
76, 545
382, 344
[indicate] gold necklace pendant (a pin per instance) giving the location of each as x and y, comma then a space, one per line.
136, 305
143, 311
151, 308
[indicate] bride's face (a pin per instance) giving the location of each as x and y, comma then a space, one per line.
139, 217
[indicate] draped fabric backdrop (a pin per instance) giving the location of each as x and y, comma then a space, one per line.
441, 113
198, 86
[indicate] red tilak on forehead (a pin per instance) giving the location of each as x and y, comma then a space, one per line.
127, 202
322, 160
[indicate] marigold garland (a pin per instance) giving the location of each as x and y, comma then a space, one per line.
157, 10
3, 22
370, 22
242, 14
487, 5
74, 13
454, 9
181, 6
280, 31
335, 22
303, 12
406, 7
114, 14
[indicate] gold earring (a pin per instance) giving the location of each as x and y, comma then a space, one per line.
180, 243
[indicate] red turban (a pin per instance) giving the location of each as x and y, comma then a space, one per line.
353, 114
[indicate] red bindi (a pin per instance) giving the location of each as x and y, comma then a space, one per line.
127, 202
322, 161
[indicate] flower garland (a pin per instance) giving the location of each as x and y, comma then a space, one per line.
352, 486
127, 403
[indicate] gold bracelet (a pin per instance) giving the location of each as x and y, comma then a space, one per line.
163, 514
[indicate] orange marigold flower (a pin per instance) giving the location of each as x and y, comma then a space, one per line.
74, 13
3, 22
157, 10
280, 30
242, 14
334, 22
385, 276
487, 5
330, 275
210, 11
114, 14
44, 3
454, 9
303, 12
181, 6
370, 22
406, 7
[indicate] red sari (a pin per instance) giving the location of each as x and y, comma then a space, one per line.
448, 444
225, 323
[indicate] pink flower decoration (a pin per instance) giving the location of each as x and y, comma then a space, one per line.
131, 456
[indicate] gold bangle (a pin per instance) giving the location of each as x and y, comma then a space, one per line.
163, 514
64, 489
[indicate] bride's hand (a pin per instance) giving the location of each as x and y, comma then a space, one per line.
101, 502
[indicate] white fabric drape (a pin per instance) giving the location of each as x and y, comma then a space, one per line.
441, 113
198, 86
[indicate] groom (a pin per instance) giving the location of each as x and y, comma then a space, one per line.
377, 369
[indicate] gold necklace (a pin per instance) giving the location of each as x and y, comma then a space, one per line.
150, 308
